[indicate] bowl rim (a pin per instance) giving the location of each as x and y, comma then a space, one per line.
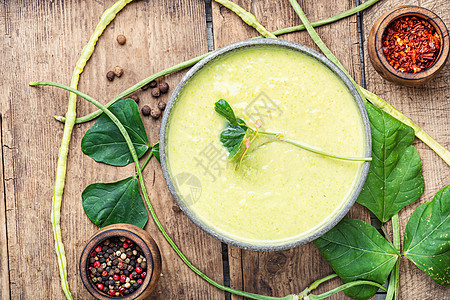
100, 237
277, 43
427, 15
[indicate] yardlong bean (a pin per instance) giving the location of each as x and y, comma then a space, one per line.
61, 166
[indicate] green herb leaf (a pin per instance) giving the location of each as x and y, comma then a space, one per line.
115, 202
104, 142
155, 151
394, 179
224, 109
355, 250
426, 241
232, 138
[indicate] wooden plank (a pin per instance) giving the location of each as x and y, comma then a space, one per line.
286, 272
4, 268
429, 107
43, 42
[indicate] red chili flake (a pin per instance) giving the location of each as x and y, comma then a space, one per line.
411, 44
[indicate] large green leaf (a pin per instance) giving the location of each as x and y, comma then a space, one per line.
355, 250
104, 142
426, 242
115, 202
394, 179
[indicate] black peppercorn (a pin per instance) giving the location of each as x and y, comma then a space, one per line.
155, 113
112, 282
153, 84
156, 92
162, 105
146, 110
110, 75
164, 87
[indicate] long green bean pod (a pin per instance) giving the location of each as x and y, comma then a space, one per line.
316, 38
61, 167
124, 133
247, 17
195, 60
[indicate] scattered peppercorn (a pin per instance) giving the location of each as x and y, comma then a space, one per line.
126, 276
176, 208
153, 84
162, 105
155, 113
135, 98
118, 71
156, 92
121, 39
145, 87
146, 110
110, 75
164, 87
411, 44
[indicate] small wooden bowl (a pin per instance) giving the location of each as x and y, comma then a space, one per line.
378, 59
142, 239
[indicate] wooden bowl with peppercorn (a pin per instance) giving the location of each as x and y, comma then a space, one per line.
408, 45
121, 261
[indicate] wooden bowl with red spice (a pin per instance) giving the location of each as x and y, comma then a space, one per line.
408, 45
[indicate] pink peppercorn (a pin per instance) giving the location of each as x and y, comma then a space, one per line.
96, 264
138, 270
139, 281
123, 278
143, 274
111, 292
122, 289
98, 249
125, 245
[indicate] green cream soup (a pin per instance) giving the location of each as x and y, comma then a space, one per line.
280, 193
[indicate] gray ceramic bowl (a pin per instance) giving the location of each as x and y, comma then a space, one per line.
165, 123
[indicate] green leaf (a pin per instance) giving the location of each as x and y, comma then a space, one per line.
224, 109
355, 250
115, 202
104, 142
155, 151
232, 138
426, 242
395, 178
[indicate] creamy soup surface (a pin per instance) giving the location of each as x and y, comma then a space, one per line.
280, 192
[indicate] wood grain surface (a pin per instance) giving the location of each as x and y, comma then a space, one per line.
42, 40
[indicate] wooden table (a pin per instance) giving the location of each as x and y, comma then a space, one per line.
42, 40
